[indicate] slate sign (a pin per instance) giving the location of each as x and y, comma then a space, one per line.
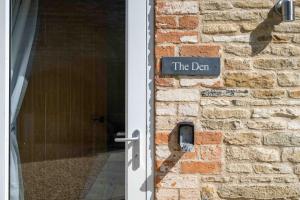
191, 66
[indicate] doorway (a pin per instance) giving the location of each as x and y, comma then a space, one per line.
38, 140
73, 104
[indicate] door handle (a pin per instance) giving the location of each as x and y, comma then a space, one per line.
132, 139
99, 119
135, 145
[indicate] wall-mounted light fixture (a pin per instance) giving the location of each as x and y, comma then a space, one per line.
286, 9
186, 136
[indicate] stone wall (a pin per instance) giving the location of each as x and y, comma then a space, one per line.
247, 120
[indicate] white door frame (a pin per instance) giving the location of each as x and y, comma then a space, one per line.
4, 99
140, 72
138, 105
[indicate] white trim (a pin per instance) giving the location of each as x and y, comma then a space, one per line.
136, 98
4, 99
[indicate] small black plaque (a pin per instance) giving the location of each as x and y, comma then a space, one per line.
191, 66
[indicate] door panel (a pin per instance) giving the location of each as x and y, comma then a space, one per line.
136, 98
74, 104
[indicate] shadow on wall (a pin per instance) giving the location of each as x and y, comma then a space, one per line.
176, 154
261, 36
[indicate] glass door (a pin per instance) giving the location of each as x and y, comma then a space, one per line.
77, 100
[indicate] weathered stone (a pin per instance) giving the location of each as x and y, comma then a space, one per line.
187, 194
189, 39
190, 109
165, 123
294, 94
211, 152
163, 152
285, 102
259, 191
220, 28
236, 38
277, 64
296, 39
255, 179
253, 153
275, 112
209, 192
223, 113
221, 125
274, 124
225, 93
178, 7
252, 80
249, 26
166, 109
215, 102
178, 95
261, 113
251, 102
268, 94
253, 4
281, 38
288, 28
285, 50
291, 154
266, 168
289, 79
239, 168
231, 16
177, 181
297, 169
282, 139
236, 64
214, 5
244, 138
188, 82
167, 194
217, 179
294, 125
238, 50
285, 179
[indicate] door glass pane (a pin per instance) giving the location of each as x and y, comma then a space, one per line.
67, 99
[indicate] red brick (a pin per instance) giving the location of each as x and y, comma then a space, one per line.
161, 51
164, 82
193, 167
162, 138
157, 66
189, 155
217, 84
173, 36
166, 22
208, 137
210, 152
188, 22
200, 50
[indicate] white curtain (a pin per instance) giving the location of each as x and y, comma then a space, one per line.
23, 28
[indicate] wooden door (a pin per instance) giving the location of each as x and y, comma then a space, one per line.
62, 123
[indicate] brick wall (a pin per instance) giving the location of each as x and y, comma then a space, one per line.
247, 121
